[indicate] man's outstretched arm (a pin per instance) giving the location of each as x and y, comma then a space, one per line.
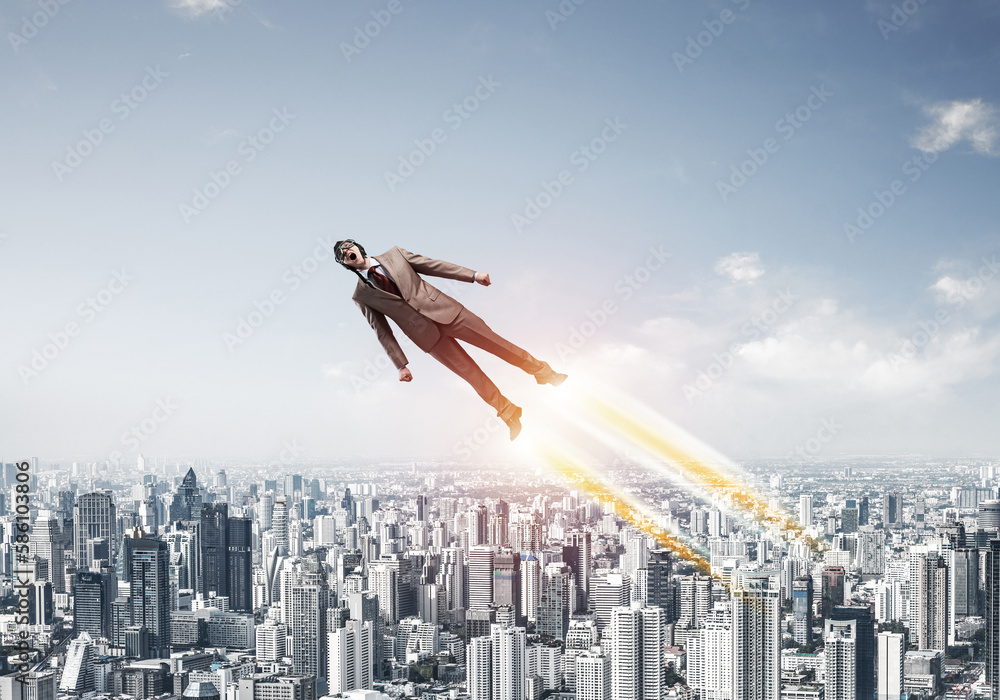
439, 268
384, 333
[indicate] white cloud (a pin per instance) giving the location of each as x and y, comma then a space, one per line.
196, 8
973, 121
740, 267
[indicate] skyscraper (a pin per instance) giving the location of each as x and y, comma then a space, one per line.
279, 525
659, 586
833, 588
841, 652
636, 638
186, 504
507, 580
93, 517
806, 509
710, 653
240, 564
509, 662
351, 651
593, 675
214, 541
932, 611
802, 609
78, 673
580, 563
864, 639
993, 617
93, 594
756, 637
531, 586
479, 668
47, 544
151, 593
480, 577
553, 608
891, 652
892, 511
608, 591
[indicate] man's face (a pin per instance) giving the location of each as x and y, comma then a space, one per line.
352, 256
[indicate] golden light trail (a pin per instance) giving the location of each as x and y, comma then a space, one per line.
679, 450
637, 514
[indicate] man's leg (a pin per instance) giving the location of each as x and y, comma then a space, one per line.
448, 352
473, 330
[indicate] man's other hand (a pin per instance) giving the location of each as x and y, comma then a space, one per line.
405, 375
483, 278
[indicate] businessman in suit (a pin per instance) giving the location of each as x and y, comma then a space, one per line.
390, 285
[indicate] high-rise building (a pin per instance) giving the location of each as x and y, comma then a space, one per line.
864, 638
239, 561
802, 609
47, 543
710, 653
351, 651
635, 645
841, 657
507, 580
989, 516
659, 586
214, 542
478, 526
531, 586
309, 600
186, 504
93, 594
891, 652
932, 611
508, 663
271, 639
806, 509
480, 577
582, 635
833, 588
992, 585
608, 591
151, 593
963, 570
93, 517
78, 672
892, 511
479, 668
553, 609
593, 675
756, 636
279, 525
579, 556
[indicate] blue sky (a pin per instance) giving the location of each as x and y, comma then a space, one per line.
846, 101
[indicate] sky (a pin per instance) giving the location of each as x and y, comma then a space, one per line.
774, 224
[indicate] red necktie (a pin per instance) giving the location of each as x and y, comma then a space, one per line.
384, 282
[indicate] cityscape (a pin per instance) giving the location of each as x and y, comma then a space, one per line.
164, 579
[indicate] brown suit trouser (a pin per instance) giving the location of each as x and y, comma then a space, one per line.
473, 330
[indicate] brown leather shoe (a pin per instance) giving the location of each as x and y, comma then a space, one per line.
550, 376
514, 422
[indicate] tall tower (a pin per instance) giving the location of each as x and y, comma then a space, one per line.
993, 617
802, 608
151, 592
509, 662
806, 509
864, 622
593, 675
636, 638
891, 652
478, 526
841, 651
756, 637
531, 586
214, 541
659, 587
47, 543
892, 511
606, 593
553, 609
479, 668
581, 563
480, 577
932, 611
279, 525
710, 668
507, 581
240, 563
93, 517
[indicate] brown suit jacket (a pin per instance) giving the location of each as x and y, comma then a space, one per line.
421, 306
